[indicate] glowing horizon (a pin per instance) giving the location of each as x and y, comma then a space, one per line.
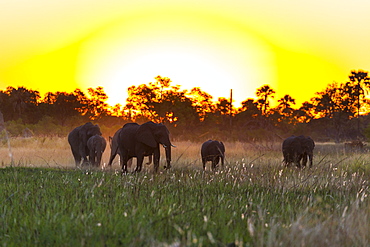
296, 48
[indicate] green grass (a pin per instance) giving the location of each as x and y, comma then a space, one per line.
245, 204
253, 201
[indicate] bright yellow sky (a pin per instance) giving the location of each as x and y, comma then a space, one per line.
297, 47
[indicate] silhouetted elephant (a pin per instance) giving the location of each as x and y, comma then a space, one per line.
114, 150
77, 139
296, 149
143, 140
212, 151
96, 145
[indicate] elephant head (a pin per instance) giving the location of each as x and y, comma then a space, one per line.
151, 135
308, 146
96, 145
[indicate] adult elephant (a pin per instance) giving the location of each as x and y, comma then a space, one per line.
114, 150
77, 139
298, 148
143, 140
212, 151
96, 145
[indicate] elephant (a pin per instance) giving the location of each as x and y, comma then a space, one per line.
212, 151
298, 148
96, 145
114, 150
136, 140
77, 139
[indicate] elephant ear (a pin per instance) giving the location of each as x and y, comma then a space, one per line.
311, 141
145, 135
83, 132
222, 147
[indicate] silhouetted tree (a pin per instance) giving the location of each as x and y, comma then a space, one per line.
336, 105
358, 87
5, 105
140, 101
61, 106
23, 102
305, 113
248, 116
202, 102
161, 102
263, 94
97, 106
285, 109
250, 108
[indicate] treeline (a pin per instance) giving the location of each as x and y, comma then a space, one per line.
339, 113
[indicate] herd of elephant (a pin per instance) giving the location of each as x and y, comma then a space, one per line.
139, 141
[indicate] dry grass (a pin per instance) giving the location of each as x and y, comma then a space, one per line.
266, 203
55, 152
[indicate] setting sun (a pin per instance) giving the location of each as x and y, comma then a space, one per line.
297, 48
189, 48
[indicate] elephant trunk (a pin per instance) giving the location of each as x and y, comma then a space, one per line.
98, 159
168, 157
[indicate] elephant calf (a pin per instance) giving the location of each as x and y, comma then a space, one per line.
296, 149
96, 145
212, 151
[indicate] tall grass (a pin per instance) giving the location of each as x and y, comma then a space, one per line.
252, 201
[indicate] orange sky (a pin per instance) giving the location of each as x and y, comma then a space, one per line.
297, 47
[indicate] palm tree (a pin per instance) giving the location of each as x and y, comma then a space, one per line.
360, 83
285, 104
263, 94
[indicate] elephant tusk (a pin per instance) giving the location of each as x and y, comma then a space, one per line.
173, 145
164, 146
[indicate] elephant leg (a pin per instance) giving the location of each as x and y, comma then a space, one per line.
123, 162
111, 159
139, 161
299, 160
156, 165
217, 160
98, 160
296, 160
204, 161
214, 163
286, 159
156, 157
77, 157
304, 160
310, 158
150, 160
92, 158
124, 166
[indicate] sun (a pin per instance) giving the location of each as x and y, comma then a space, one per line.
192, 49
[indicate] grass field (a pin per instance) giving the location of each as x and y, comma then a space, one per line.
252, 201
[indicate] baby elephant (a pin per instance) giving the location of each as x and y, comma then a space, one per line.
96, 145
213, 151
